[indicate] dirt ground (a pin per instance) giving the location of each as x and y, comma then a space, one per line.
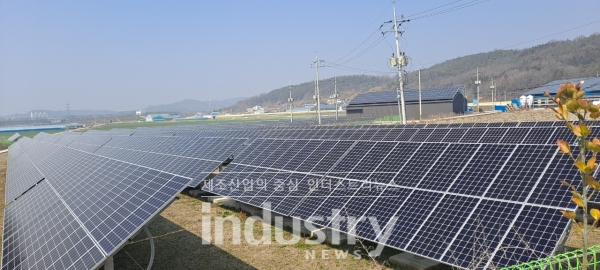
517, 116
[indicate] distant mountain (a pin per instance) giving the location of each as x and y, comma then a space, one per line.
514, 71
64, 114
193, 106
347, 86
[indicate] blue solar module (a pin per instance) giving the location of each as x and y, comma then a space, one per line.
527, 124
481, 170
41, 233
328, 191
423, 159
450, 164
453, 180
382, 210
550, 191
347, 162
403, 230
393, 134
495, 124
406, 135
480, 234
442, 224
473, 135
561, 133
493, 135
394, 162
410, 95
525, 240
368, 164
538, 135
545, 123
380, 134
520, 173
128, 195
437, 135
14, 137
330, 159
454, 135
515, 135
21, 175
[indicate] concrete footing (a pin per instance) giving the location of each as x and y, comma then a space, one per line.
287, 221
413, 262
197, 193
215, 199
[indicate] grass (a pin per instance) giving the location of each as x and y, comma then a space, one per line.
178, 239
222, 119
4, 143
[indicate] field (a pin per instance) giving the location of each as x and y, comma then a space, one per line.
221, 119
4, 143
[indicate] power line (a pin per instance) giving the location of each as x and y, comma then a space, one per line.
552, 34
373, 45
469, 4
368, 26
433, 9
356, 47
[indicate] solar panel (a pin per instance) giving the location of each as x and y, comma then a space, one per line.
14, 137
41, 233
466, 188
493, 135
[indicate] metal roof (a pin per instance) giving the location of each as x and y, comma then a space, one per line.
589, 85
410, 95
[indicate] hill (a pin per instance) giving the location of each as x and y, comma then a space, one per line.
193, 106
514, 71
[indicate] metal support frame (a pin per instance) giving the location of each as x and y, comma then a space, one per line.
151, 247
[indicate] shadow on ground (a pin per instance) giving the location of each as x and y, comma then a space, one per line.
175, 248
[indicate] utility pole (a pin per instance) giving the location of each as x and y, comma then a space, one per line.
493, 87
478, 82
420, 111
290, 100
316, 65
68, 112
335, 98
399, 61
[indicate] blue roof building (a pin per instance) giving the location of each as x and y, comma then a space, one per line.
590, 85
434, 101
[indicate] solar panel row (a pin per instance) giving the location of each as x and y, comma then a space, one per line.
468, 188
84, 210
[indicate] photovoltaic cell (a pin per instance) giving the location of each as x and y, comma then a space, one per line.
41, 233
482, 169
525, 239
481, 234
443, 224
473, 135
420, 162
382, 210
450, 164
520, 173
493, 135
404, 229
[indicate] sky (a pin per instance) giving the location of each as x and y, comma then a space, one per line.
127, 55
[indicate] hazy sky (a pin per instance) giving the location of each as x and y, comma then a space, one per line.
126, 55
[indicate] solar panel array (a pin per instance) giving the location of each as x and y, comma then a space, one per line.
410, 95
470, 190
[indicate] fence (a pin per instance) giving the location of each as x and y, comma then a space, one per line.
567, 260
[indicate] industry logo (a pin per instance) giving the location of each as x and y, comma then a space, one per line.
337, 222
